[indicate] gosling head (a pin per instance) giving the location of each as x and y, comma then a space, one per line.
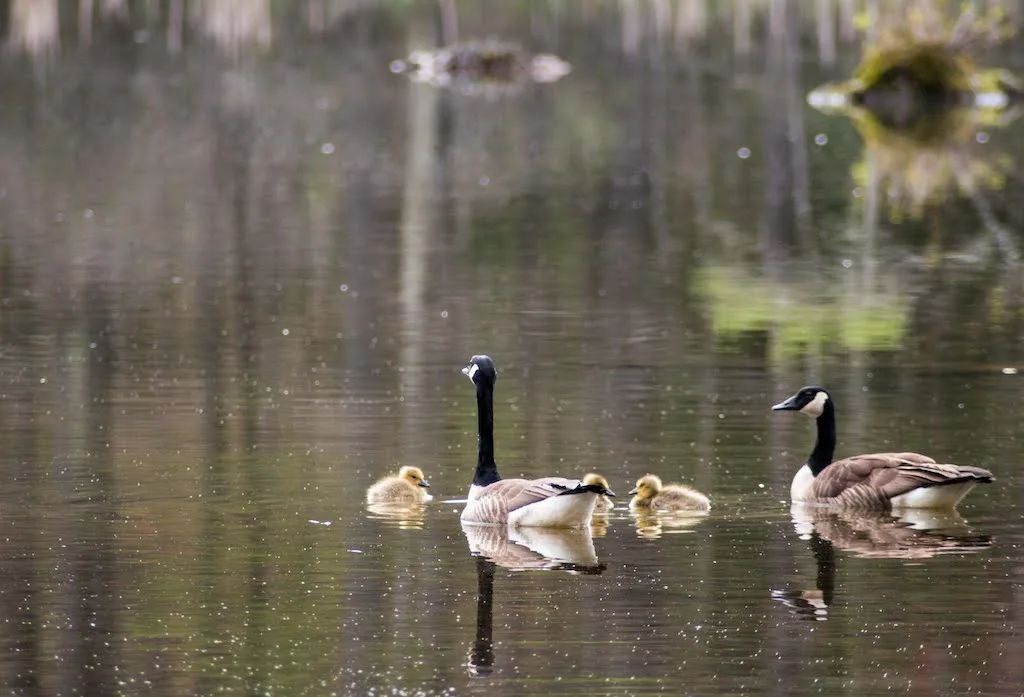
647, 487
413, 475
481, 370
592, 479
809, 400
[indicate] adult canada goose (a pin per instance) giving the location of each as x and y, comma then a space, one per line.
877, 481
545, 502
404, 488
650, 493
604, 504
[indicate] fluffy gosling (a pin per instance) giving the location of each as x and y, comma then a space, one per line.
407, 487
604, 504
650, 493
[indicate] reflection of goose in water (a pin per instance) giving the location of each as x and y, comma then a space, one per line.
481, 656
405, 516
654, 524
879, 481
914, 534
519, 549
534, 549
813, 603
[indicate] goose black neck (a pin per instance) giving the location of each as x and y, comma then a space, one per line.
825, 445
486, 469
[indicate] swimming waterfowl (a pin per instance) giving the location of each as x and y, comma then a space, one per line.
604, 504
545, 502
407, 487
876, 481
674, 498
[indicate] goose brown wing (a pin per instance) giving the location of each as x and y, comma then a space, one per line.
498, 500
891, 474
523, 492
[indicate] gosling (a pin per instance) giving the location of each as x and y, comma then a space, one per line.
604, 504
405, 488
674, 498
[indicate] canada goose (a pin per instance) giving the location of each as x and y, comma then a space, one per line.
876, 481
544, 502
404, 488
604, 504
675, 498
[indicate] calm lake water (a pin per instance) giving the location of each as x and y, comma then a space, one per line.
241, 265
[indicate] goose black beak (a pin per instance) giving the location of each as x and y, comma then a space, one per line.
632, 492
424, 483
789, 405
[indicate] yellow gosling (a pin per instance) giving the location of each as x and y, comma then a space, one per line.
407, 487
651, 494
604, 504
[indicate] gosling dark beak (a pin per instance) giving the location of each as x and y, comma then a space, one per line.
609, 492
424, 483
789, 405
632, 492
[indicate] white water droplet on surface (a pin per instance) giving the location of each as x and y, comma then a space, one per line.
285, 332
820, 139
743, 153
327, 148
981, 137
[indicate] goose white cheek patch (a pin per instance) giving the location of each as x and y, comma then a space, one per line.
470, 371
816, 406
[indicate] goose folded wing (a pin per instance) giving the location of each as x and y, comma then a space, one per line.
891, 473
524, 492
894, 474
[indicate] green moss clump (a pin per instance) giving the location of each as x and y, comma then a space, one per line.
930, 69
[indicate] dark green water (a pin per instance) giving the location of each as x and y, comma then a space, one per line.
237, 286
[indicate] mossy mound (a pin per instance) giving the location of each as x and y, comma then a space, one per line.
930, 71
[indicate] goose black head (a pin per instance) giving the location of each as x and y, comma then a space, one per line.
481, 370
809, 400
